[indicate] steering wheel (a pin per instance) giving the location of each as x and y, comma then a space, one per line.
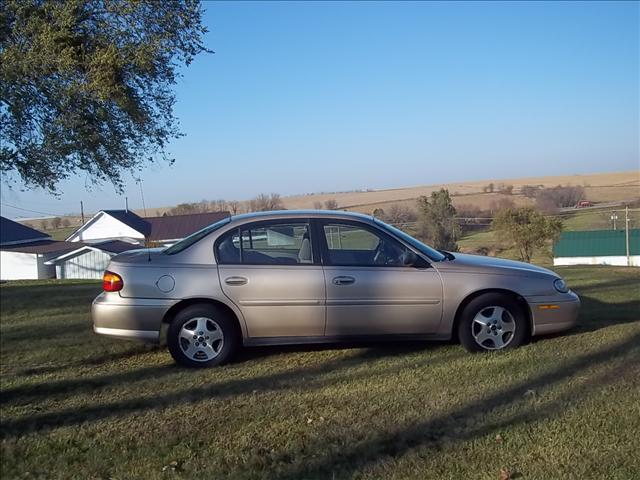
380, 256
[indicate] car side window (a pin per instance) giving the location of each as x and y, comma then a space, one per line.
352, 245
270, 244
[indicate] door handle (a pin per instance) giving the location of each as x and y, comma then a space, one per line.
235, 281
343, 280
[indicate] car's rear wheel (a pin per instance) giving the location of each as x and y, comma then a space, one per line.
493, 321
202, 336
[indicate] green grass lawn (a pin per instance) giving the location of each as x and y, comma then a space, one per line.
75, 405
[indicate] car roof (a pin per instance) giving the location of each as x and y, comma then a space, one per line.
283, 214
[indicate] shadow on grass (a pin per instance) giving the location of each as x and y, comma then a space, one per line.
102, 359
388, 348
28, 393
27, 334
316, 376
470, 421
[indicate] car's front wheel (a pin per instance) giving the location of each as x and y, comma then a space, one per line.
202, 336
492, 321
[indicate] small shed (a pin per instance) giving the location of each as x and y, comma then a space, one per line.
88, 261
597, 247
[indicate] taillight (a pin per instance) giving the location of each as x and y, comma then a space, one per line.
111, 282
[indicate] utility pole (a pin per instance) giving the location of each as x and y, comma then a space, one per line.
82, 212
626, 221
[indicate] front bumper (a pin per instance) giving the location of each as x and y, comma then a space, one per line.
127, 318
554, 314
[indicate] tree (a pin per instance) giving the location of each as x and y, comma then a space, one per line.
530, 191
505, 189
189, 208
44, 225
85, 85
317, 205
66, 223
220, 205
56, 222
234, 206
501, 204
438, 224
526, 229
399, 214
264, 203
550, 199
331, 204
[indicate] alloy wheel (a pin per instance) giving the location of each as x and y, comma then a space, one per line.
201, 339
493, 327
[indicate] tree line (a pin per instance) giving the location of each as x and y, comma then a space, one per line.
436, 221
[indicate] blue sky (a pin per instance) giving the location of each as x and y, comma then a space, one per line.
304, 97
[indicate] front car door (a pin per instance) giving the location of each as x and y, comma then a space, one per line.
369, 289
271, 271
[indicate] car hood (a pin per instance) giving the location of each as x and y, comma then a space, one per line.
483, 264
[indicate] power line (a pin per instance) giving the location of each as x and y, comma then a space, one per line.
28, 210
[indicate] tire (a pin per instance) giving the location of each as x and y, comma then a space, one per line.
491, 322
202, 336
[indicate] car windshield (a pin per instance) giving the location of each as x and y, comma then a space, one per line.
195, 237
432, 253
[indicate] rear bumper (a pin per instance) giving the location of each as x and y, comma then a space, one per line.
132, 319
555, 315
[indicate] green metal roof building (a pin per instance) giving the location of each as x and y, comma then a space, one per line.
597, 247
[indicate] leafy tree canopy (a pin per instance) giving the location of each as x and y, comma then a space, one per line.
526, 229
438, 225
85, 85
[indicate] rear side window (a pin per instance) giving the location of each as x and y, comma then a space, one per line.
195, 237
270, 244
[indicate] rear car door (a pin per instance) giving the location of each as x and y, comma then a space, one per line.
271, 271
369, 289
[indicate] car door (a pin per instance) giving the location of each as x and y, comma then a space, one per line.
369, 289
271, 271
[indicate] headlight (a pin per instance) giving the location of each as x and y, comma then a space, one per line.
560, 285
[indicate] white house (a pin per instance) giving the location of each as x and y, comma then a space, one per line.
27, 253
126, 226
110, 232
24, 252
597, 247
123, 225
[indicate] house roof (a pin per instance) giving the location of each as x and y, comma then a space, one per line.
597, 243
173, 227
44, 246
110, 247
131, 219
15, 233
